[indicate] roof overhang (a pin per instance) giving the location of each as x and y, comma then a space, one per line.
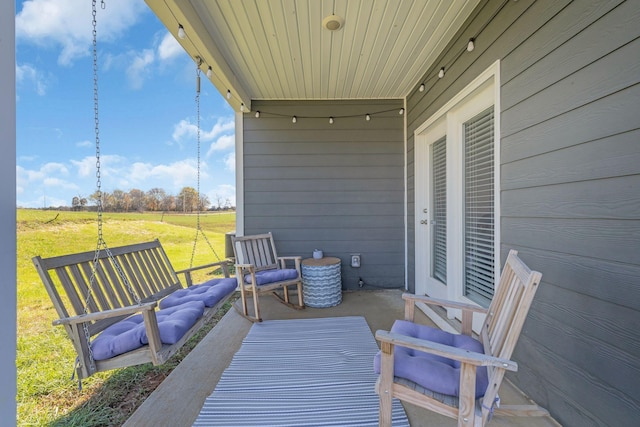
281, 50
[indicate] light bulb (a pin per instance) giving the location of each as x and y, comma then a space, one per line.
330, 120
471, 45
242, 107
257, 114
209, 72
181, 32
368, 117
401, 112
421, 87
441, 73
228, 94
294, 119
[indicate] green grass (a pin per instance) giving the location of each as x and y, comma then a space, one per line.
45, 356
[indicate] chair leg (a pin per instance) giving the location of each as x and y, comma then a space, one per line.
385, 385
256, 305
466, 407
300, 300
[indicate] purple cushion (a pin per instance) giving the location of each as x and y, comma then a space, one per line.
433, 372
129, 334
209, 293
265, 277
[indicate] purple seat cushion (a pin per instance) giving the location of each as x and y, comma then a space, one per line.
209, 293
265, 277
129, 334
433, 372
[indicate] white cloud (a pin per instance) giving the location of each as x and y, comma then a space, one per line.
87, 166
169, 48
223, 129
28, 74
230, 162
67, 24
140, 68
225, 142
85, 143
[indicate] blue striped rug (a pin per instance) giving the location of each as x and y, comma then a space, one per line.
308, 372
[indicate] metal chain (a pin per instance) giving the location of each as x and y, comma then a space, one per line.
198, 226
101, 242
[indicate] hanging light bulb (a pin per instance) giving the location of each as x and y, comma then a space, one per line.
401, 112
228, 94
441, 73
257, 114
242, 107
471, 45
421, 87
209, 72
368, 117
294, 119
331, 120
181, 32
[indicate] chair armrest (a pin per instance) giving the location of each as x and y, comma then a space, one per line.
187, 271
296, 259
467, 309
443, 303
99, 315
463, 356
200, 267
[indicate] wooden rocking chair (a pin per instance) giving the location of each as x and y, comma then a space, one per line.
260, 270
474, 369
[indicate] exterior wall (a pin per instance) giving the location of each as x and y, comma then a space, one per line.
570, 190
335, 187
8, 267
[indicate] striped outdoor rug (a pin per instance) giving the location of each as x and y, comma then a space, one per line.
309, 372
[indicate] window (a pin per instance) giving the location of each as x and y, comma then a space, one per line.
479, 260
439, 204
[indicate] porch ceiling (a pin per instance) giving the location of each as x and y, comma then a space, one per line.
279, 49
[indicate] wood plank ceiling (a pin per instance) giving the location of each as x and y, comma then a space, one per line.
279, 49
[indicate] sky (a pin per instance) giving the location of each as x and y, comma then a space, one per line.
147, 107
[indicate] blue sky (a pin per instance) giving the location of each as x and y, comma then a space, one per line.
147, 109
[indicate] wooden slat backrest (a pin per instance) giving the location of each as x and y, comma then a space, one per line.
258, 250
509, 307
145, 267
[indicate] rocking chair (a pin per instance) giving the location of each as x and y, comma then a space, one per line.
260, 270
454, 374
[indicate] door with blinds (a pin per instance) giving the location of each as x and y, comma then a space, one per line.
457, 201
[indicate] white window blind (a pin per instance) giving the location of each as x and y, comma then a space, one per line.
439, 206
479, 270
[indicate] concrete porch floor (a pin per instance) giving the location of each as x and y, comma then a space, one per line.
178, 400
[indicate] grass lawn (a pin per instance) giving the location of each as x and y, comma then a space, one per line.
45, 356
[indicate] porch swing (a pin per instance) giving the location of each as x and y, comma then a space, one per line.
125, 306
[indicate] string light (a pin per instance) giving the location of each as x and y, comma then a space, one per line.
441, 73
471, 45
209, 72
401, 112
368, 117
294, 119
257, 114
421, 87
181, 32
228, 94
242, 107
331, 120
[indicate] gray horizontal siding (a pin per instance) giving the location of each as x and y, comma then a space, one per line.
337, 187
570, 190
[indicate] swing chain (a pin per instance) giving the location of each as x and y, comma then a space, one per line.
198, 226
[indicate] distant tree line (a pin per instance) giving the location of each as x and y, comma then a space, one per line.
156, 199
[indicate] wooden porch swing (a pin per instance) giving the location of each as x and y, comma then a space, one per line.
113, 294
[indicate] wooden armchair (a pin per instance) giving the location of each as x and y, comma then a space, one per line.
260, 270
457, 375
